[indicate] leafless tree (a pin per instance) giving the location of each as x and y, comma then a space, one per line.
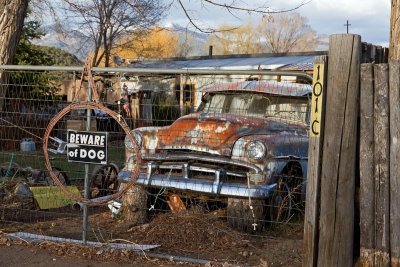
102, 23
12, 15
233, 7
241, 40
279, 33
186, 43
288, 32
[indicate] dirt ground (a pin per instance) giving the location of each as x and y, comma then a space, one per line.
192, 235
16, 255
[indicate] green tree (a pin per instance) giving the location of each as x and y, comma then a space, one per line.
37, 87
30, 54
26, 52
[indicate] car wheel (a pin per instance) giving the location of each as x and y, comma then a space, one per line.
104, 180
246, 215
281, 203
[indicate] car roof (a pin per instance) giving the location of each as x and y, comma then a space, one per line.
268, 87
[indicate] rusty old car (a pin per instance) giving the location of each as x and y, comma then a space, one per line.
246, 145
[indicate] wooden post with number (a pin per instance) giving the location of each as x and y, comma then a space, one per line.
338, 169
311, 221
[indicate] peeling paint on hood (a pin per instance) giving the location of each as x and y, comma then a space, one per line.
214, 133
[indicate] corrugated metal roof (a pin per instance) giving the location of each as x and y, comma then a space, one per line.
269, 87
301, 66
253, 62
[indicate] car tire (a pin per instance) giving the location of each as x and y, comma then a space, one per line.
246, 215
286, 198
280, 205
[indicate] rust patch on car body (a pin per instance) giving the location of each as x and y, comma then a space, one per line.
214, 133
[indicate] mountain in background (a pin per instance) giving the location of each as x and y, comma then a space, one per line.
196, 40
183, 30
76, 44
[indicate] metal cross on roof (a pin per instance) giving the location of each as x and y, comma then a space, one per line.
347, 25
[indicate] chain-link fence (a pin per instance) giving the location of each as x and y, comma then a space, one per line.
221, 159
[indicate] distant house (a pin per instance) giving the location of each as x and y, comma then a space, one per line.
288, 61
187, 89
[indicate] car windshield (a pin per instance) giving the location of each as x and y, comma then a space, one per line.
257, 105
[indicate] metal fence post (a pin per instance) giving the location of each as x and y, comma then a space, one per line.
86, 181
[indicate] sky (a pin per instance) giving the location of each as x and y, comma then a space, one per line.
368, 18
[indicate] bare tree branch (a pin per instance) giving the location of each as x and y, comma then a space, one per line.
260, 10
104, 22
231, 7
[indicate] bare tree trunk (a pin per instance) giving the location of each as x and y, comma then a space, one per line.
394, 47
134, 208
11, 22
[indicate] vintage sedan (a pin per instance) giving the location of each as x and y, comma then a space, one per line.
246, 146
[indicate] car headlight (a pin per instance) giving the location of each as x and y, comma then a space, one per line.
256, 150
138, 139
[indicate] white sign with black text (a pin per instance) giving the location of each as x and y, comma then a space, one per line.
87, 147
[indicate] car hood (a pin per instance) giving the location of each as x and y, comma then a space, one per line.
215, 134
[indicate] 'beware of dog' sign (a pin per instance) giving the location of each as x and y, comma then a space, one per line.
87, 147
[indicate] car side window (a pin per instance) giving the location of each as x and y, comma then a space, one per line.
216, 104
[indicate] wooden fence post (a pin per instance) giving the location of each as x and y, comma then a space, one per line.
335, 246
311, 218
394, 103
381, 136
367, 184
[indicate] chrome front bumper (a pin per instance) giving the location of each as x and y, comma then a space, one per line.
215, 186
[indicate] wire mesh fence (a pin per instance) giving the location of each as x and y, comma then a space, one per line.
222, 160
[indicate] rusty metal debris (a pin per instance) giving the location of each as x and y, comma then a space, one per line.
175, 203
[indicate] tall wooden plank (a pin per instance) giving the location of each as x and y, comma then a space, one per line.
394, 103
367, 185
379, 54
394, 47
311, 218
335, 247
385, 55
381, 136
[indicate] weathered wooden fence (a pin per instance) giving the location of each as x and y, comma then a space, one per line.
353, 201
380, 165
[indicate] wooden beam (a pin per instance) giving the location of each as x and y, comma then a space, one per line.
394, 47
335, 246
311, 220
381, 136
394, 100
367, 185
